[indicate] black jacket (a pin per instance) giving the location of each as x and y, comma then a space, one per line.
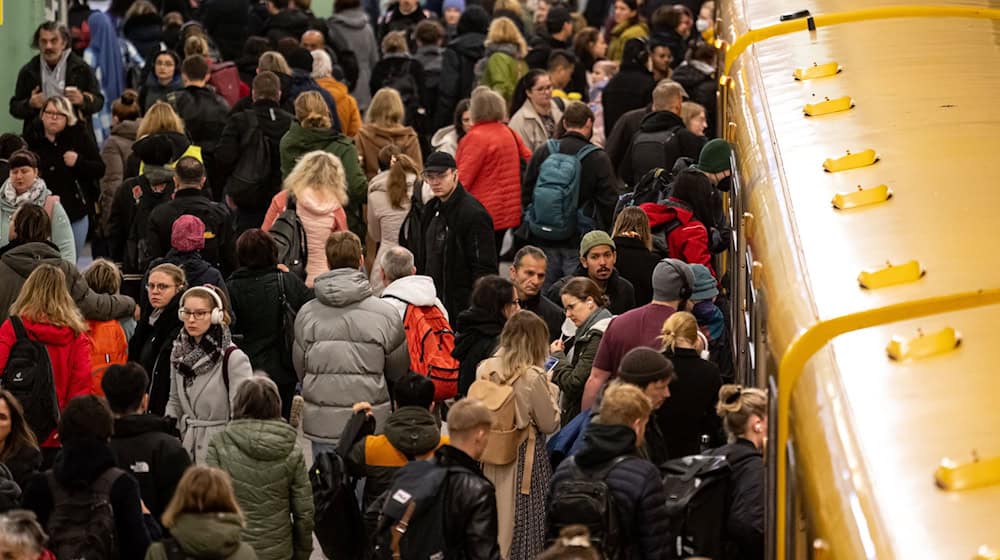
77, 186
700, 88
226, 22
219, 250
678, 45
635, 484
400, 65
619, 291
478, 336
286, 23
636, 263
272, 121
689, 413
287, 102
598, 193
629, 89
470, 519
128, 226
197, 272
745, 524
465, 242
457, 74
541, 49
256, 299
78, 74
78, 465
619, 138
683, 144
552, 314
394, 20
204, 113
149, 447
145, 31
24, 465
151, 346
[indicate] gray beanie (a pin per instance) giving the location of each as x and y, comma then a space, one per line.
670, 278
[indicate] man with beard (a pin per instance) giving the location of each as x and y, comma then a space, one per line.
597, 262
55, 71
528, 276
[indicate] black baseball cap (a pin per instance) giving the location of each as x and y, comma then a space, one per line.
440, 161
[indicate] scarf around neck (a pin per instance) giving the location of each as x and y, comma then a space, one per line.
35, 194
192, 359
54, 79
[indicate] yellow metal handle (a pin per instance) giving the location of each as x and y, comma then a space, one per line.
953, 476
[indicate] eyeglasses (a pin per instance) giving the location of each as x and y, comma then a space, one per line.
53, 114
542, 89
159, 287
432, 177
165, 63
198, 315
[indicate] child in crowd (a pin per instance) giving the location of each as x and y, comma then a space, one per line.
602, 72
108, 339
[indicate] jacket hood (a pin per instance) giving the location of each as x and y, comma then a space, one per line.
24, 258
660, 120
141, 424
342, 287
208, 535
355, 18
509, 49
660, 214
191, 261
601, 443
311, 206
600, 315
288, 19
79, 463
39, 201
473, 325
417, 289
126, 129
387, 134
311, 139
469, 44
264, 440
474, 20
441, 136
152, 148
49, 334
413, 431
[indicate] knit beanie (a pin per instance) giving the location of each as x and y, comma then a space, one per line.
670, 277
593, 239
714, 157
188, 234
642, 366
457, 4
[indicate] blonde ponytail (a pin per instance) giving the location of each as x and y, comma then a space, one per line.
681, 325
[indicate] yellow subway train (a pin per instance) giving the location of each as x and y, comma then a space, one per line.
866, 270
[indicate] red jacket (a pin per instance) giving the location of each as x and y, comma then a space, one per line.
687, 242
489, 167
70, 357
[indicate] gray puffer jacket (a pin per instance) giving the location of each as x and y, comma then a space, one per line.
346, 344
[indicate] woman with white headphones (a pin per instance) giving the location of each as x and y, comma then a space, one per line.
206, 369
689, 413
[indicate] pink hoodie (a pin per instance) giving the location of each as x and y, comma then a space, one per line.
319, 218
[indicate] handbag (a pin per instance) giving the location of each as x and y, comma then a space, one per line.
288, 314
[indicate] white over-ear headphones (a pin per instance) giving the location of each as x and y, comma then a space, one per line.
705, 354
217, 311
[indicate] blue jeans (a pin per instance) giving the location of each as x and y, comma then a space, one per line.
560, 262
80, 229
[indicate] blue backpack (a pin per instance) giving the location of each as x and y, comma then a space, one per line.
554, 210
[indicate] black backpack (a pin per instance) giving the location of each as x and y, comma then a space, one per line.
252, 180
652, 187
28, 376
82, 522
411, 232
650, 150
339, 529
400, 78
290, 237
412, 520
137, 255
586, 499
697, 489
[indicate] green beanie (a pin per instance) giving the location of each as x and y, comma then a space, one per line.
714, 156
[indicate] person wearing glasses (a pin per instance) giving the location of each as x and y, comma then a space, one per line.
536, 113
158, 327
451, 236
206, 370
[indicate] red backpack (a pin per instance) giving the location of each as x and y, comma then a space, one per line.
225, 78
431, 341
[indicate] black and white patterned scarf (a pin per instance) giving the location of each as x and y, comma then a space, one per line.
192, 358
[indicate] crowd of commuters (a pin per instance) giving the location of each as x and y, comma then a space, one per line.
226, 221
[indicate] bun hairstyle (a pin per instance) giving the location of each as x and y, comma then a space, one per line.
126, 107
582, 287
681, 325
737, 404
573, 543
311, 110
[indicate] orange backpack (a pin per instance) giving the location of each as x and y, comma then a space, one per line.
430, 341
108, 346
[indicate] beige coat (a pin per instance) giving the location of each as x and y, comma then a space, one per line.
384, 221
537, 406
528, 124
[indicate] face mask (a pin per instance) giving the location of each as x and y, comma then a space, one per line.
701, 25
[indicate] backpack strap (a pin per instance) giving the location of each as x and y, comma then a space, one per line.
585, 151
104, 482
19, 331
553, 146
399, 529
225, 366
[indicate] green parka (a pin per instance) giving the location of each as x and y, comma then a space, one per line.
571, 372
272, 486
503, 68
299, 141
206, 536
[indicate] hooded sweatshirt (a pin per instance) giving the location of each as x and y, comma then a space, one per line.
206, 536
412, 290
478, 336
411, 433
353, 26
62, 233
269, 476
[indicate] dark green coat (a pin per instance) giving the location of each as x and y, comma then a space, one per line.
214, 536
570, 373
299, 141
272, 486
